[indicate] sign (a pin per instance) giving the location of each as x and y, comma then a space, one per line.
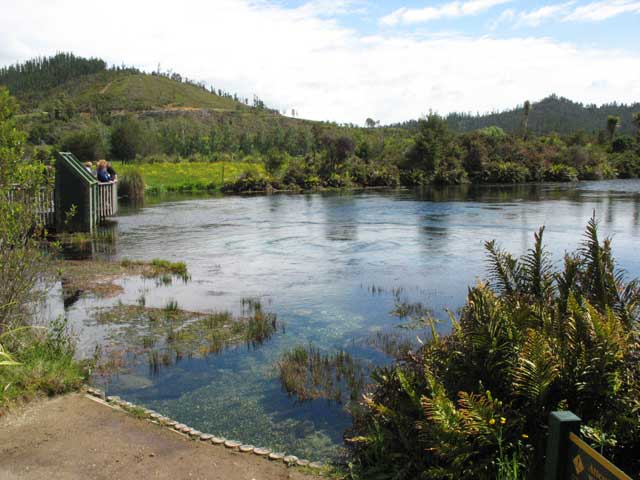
584, 463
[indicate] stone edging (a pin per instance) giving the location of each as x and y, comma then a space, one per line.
193, 434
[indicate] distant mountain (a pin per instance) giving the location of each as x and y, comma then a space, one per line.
552, 114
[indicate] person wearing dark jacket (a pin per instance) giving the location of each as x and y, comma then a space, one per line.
102, 173
112, 173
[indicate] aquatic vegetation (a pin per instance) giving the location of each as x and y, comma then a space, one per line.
395, 344
171, 306
529, 341
164, 336
309, 374
98, 277
178, 269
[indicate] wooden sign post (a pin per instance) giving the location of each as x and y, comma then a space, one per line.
569, 457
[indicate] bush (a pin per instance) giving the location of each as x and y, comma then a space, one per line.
560, 173
131, 185
87, 145
247, 182
414, 178
505, 172
529, 341
382, 176
627, 164
597, 172
46, 364
455, 176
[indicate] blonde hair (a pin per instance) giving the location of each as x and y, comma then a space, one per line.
88, 164
102, 164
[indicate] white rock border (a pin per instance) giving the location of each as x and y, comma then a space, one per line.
193, 434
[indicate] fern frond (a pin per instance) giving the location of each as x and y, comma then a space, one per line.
536, 368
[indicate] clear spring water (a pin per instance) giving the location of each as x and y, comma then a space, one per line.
313, 260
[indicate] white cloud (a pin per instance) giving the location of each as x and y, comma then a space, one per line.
446, 10
548, 12
569, 12
293, 58
599, 11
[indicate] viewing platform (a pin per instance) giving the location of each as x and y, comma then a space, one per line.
78, 202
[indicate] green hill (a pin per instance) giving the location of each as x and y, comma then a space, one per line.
87, 85
135, 91
552, 114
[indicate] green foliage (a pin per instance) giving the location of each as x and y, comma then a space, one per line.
247, 182
132, 185
505, 172
161, 118
475, 404
551, 114
88, 145
561, 173
46, 365
32, 360
125, 139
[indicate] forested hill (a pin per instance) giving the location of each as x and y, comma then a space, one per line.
552, 114
68, 82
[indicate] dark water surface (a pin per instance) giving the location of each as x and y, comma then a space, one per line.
313, 260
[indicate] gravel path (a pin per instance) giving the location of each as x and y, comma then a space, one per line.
75, 437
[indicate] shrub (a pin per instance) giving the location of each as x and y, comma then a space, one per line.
627, 164
529, 341
560, 173
131, 185
336, 180
247, 182
505, 172
455, 176
414, 178
382, 176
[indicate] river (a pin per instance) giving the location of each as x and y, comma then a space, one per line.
329, 265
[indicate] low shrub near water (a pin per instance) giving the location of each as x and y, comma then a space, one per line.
45, 364
132, 185
475, 403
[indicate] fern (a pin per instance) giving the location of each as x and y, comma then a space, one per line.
536, 369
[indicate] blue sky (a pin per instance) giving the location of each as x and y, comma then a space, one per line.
346, 60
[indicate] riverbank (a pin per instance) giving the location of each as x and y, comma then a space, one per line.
75, 437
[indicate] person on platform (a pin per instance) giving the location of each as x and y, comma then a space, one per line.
112, 172
102, 173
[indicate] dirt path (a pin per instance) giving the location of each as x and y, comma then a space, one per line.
74, 437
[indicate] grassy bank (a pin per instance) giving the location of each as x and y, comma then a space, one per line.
189, 176
45, 365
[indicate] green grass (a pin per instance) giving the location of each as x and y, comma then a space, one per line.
46, 367
139, 91
188, 176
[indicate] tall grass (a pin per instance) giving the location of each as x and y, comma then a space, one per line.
131, 184
44, 364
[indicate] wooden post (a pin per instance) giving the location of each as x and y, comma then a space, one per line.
560, 424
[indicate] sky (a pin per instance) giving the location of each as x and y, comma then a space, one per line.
348, 60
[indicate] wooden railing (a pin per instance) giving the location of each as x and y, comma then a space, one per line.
43, 202
107, 199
